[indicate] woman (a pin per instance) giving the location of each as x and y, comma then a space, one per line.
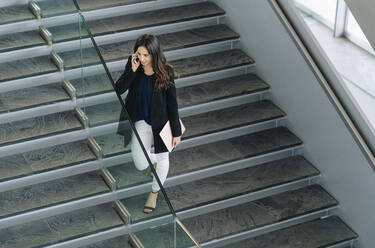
151, 102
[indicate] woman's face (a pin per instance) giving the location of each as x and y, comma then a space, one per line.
144, 57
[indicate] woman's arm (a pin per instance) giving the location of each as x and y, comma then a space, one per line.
126, 79
172, 108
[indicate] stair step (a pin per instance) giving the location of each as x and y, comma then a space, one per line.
97, 84
21, 40
118, 242
314, 234
113, 144
139, 20
32, 97
248, 216
109, 112
169, 41
15, 13
60, 228
220, 89
224, 186
37, 127
26, 68
94, 84
211, 62
50, 193
38, 161
60, 7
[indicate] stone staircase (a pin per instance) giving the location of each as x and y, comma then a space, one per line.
238, 178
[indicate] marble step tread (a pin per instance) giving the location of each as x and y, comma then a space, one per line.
113, 144
118, 242
21, 40
97, 84
46, 159
26, 68
32, 97
224, 186
248, 216
170, 41
51, 193
37, 127
137, 21
15, 13
51, 8
61, 227
109, 112
318, 233
209, 155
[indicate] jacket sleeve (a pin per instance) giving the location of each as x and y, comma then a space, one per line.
172, 108
126, 79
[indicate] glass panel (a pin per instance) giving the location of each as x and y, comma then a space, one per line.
125, 160
325, 10
167, 235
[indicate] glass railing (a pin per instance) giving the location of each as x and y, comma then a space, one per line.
93, 81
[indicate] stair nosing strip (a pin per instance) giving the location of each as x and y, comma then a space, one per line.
342, 244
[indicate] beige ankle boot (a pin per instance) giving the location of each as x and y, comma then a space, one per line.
150, 204
151, 173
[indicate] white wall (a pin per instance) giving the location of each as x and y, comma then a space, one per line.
311, 116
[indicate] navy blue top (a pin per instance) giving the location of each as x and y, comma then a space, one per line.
144, 99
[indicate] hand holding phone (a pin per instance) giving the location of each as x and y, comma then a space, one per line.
135, 62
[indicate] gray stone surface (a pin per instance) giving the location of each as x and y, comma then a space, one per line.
20, 40
315, 234
231, 149
112, 144
26, 68
219, 89
59, 7
41, 160
119, 242
228, 118
243, 217
169, 41
210, 62
61, 227
153, 18
95, 84
258, 213
225, 186
18, 131
186, 67
32, 97
136, 21
15, 13
50, 193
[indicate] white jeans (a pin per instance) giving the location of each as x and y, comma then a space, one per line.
162, 159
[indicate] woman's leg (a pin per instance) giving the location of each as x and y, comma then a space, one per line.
162, 169
145, 133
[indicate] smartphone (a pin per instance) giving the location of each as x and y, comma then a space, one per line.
137, 60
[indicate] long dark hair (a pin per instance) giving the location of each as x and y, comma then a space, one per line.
163, 70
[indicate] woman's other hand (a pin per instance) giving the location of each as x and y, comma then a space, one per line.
176, 141
135, 62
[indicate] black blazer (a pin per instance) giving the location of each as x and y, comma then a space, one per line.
163, 107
